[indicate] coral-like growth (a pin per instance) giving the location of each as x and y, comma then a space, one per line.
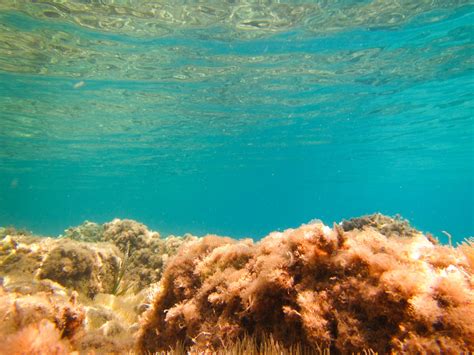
317, 287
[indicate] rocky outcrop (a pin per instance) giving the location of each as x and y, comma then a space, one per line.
318, 287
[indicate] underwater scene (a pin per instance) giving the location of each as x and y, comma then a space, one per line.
236, 177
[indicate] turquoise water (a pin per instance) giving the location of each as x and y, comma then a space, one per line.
236, 118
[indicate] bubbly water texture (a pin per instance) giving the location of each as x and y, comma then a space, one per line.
236, 118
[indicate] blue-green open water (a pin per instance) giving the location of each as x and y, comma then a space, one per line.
236, 118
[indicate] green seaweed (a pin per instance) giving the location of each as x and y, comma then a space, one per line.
120, 287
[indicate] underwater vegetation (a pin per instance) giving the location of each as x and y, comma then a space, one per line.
370, 284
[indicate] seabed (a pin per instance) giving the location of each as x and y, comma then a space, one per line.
367, 285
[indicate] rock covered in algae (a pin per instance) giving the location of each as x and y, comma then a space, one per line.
111, 323
145, 251
21, 255
305, 289
43, 317
389, 226
92, 258
86, 232
89, 269
86, 268
92, 265
316, 286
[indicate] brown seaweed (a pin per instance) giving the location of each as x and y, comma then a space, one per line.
315, 286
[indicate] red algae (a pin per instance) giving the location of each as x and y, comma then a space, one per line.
39, 318
316, 286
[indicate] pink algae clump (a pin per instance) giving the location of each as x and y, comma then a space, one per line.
346, 290
36, 339
39, 318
